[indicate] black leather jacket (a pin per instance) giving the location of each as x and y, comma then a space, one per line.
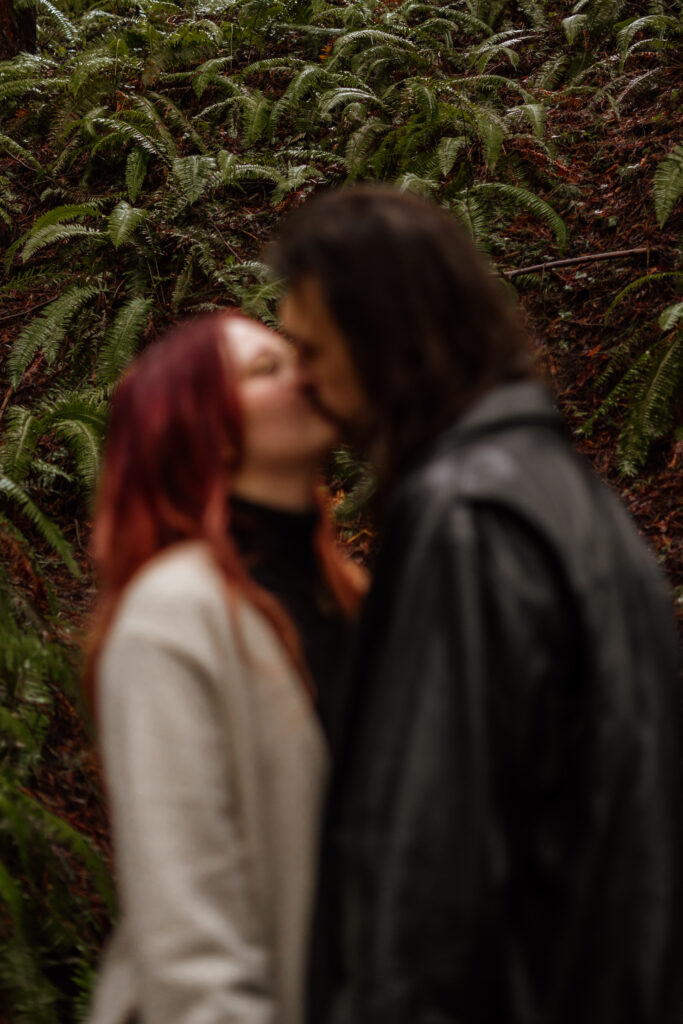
502, 841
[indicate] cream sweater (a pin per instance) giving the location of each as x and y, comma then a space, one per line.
215, 766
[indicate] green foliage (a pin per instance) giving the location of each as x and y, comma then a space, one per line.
646, 379
46, 925
668, 184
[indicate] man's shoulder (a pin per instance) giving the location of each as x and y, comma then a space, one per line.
504, 467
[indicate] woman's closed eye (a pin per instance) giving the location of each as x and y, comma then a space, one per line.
265, 365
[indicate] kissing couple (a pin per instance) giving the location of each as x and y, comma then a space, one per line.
446, 795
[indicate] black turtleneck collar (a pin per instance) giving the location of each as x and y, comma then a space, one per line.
278, 550
264, 533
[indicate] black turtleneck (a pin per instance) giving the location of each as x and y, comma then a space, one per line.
278, 551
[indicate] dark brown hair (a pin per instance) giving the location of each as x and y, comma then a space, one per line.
427, 325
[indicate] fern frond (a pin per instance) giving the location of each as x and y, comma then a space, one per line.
80, 845
209, 73
123, 220
550, 74
448, 151
63, 214
119, 132
335, 97
96, 67
122, 338
256, 116
361, 144
522, 198
573, 26
366, 37
671, 316
647, 280
292, 180
19, 442
652, 405
668, 184
194, 174
12, 146
47, 331
501, 45
45, 526
136, 171
660, 24
45, 7
54, 233
421, 185
79, 421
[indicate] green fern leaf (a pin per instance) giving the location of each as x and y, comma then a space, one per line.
122, 338
652, 405
63, 214
574, 26
421, 185
46, 7
80, 845
97, 66
79, 421
48, 330
334, 97
57, 233
120, 133
448, 151
535, 114
658, 23
292, 180
193, 175
668, 184
492, 134
123, 221
671, 316
19, 442
209, 72
47, 529
520, 197
646, 280
136, 171
15, 149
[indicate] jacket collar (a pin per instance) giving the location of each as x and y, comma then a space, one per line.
509, 405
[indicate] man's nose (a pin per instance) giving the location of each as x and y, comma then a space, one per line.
303, 376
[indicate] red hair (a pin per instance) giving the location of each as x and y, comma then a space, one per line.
175, 438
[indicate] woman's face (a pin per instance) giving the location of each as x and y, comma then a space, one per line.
282, 429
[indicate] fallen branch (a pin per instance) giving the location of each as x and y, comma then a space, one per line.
587, 258
25, 312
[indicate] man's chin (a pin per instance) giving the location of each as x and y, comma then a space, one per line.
354, 432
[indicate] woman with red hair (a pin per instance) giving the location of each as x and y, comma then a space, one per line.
222, 613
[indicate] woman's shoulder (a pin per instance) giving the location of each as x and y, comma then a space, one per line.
181, 580
181, 599
179, 570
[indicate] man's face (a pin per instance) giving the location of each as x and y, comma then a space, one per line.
327, 370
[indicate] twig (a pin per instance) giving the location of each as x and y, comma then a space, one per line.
79, 542
588, 258
8, 395
225, 241
25, 312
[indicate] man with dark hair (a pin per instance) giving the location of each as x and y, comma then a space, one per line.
501, 843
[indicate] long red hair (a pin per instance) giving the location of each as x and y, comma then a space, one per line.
175, 438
